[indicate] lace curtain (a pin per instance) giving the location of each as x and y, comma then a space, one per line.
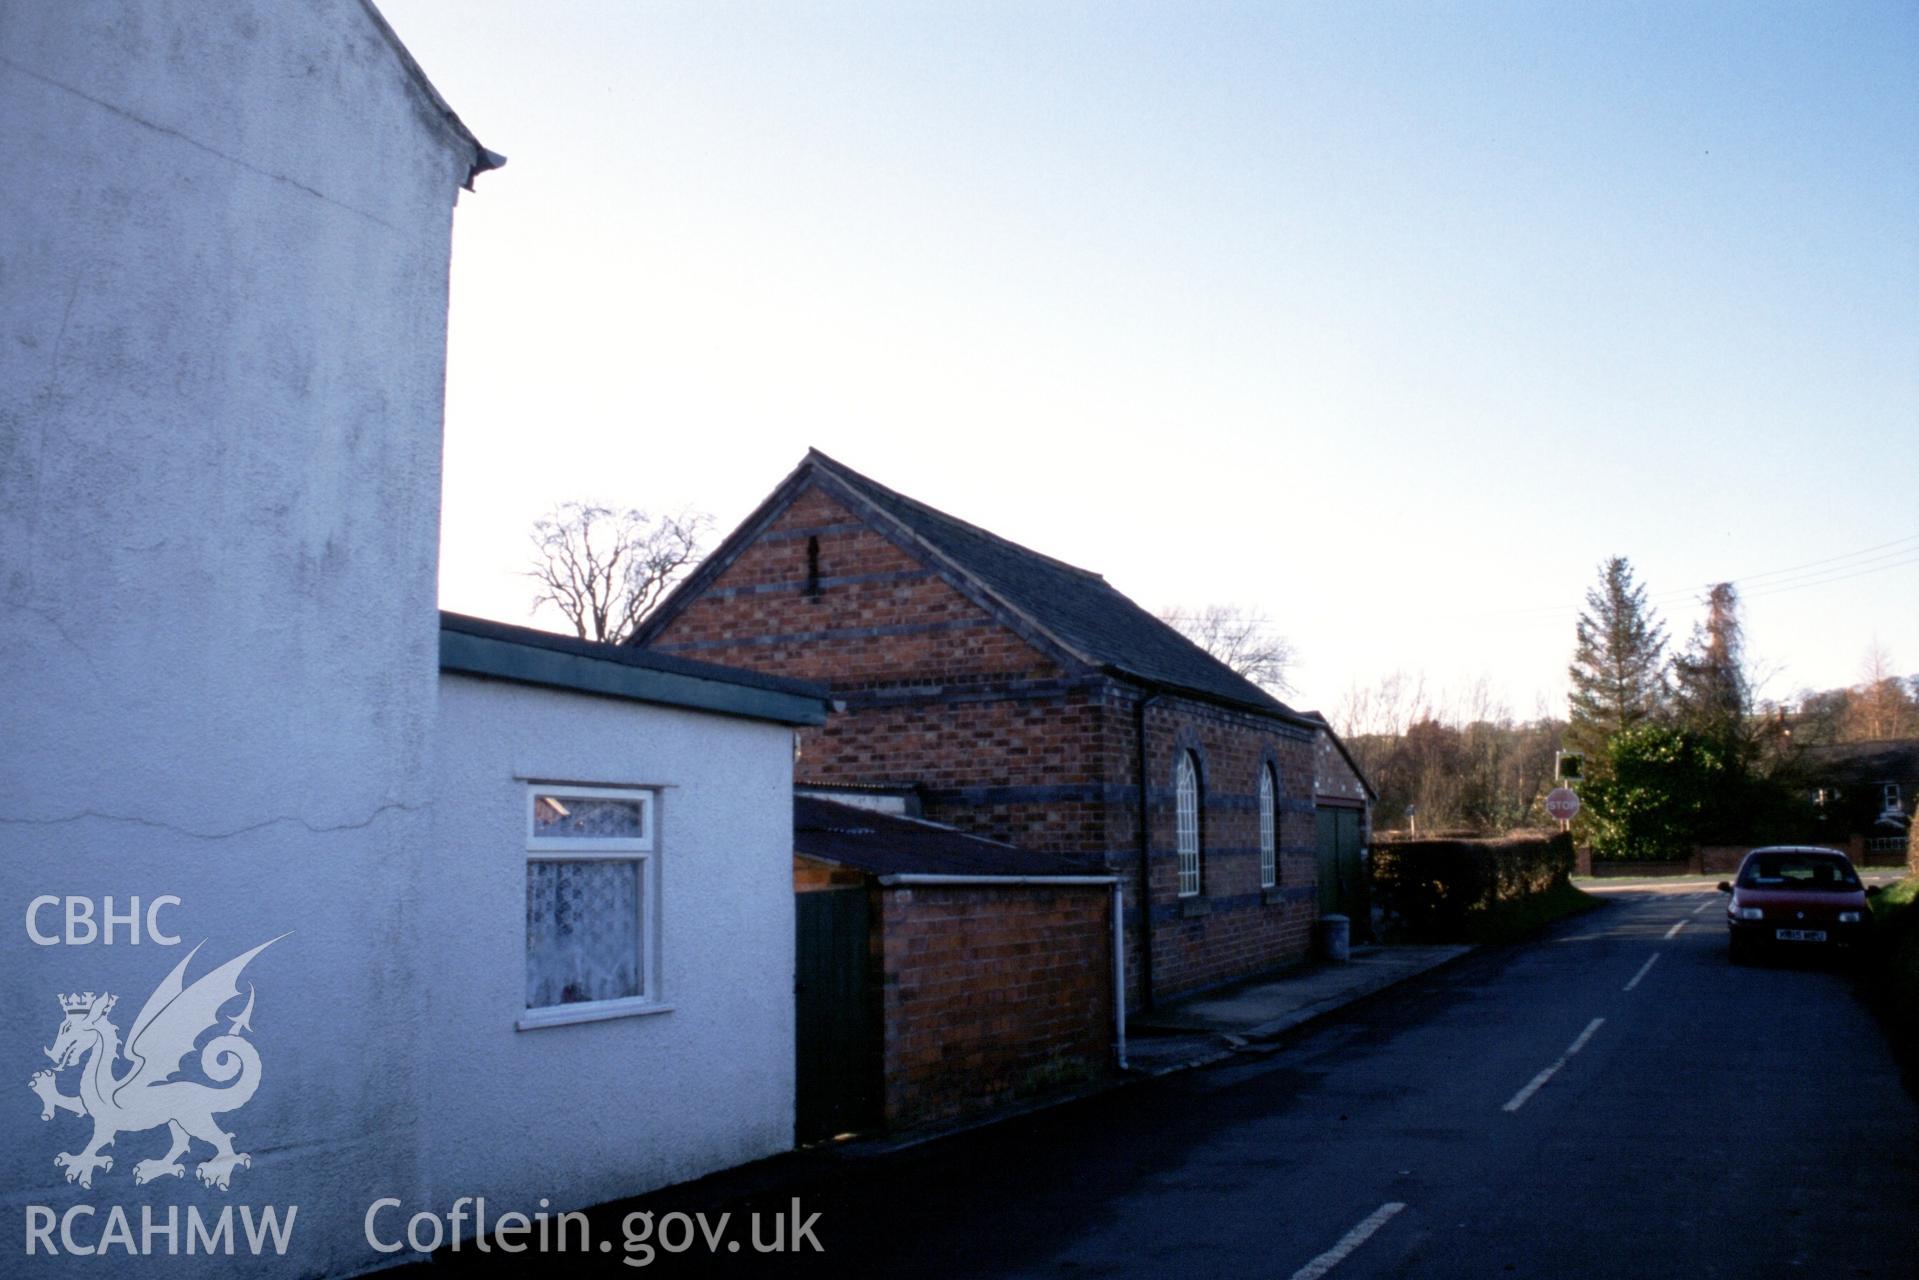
582, 931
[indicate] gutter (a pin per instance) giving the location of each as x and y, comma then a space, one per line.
1279, 711
1119, 970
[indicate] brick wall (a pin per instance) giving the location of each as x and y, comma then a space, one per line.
1057, 773
872, 618
1002, 741
991, 995
1333, 777
1233, 927
1013, 763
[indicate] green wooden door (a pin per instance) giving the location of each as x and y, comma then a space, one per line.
1342, 876
836, 1045
1355, 901
1327, 821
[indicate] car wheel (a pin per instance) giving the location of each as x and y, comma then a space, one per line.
1740, 949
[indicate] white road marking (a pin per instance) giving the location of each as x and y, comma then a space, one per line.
1347, 1243
1642, 973
1675, 929
1702, 906
1533, 1086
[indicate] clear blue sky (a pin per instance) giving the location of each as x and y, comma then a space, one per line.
1390, 320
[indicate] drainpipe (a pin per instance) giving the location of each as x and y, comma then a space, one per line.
1145, 859
1119, 968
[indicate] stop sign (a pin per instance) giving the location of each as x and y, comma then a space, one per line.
1562, 803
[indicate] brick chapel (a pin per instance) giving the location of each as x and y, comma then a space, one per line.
1026, 700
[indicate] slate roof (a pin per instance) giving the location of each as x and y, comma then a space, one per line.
1076, 608
886, 844
1888, 760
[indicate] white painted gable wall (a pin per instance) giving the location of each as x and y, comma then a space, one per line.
222, 328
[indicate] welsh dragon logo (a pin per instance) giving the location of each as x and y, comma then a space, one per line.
146, 1095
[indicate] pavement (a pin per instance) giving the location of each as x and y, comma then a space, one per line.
1213, 1025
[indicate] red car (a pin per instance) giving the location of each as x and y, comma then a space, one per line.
1791, 896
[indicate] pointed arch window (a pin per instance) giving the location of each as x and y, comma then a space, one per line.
1268, 827
1186, 820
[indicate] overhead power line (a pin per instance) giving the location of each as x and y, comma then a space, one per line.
1878, 558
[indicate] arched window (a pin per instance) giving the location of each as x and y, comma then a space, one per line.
1186, 816
1268, 828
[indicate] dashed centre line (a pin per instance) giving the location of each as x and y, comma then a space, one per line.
1533, 1086
1347, 1243
1643, 970
1701, 907
1674, 931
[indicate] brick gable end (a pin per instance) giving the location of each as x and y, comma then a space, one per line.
822, 595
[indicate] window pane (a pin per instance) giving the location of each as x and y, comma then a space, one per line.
1268, 843
565, 817
1186, 824
582, 932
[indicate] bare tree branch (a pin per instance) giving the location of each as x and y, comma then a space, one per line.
1242, 639
605, 568
1878, 707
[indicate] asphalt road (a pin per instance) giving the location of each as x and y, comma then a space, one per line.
1614, 1099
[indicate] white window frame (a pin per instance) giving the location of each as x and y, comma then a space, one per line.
1892, 799
1268, 828
1186, 802
639, 850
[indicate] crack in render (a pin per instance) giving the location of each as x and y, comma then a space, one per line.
215, 835
163, 130
53, 620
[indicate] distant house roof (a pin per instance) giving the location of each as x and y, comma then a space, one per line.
500, 651
1071, 609
1864, 763
886, 844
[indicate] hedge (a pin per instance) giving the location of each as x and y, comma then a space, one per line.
1429, 888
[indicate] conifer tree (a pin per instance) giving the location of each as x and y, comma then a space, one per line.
1712, 703
1618, 670
1711, 692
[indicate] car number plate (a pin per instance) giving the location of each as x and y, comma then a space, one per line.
1801, 935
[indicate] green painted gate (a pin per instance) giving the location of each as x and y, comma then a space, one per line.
836, 1041
1342, 876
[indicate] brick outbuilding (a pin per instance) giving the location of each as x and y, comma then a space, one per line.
1031, 703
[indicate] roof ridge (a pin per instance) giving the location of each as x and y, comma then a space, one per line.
1862, 742
847, 473
1072, 609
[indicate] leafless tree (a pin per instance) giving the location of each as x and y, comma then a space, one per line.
1879, 707
1242, 639
1458, 757
1386, 709
606, 568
